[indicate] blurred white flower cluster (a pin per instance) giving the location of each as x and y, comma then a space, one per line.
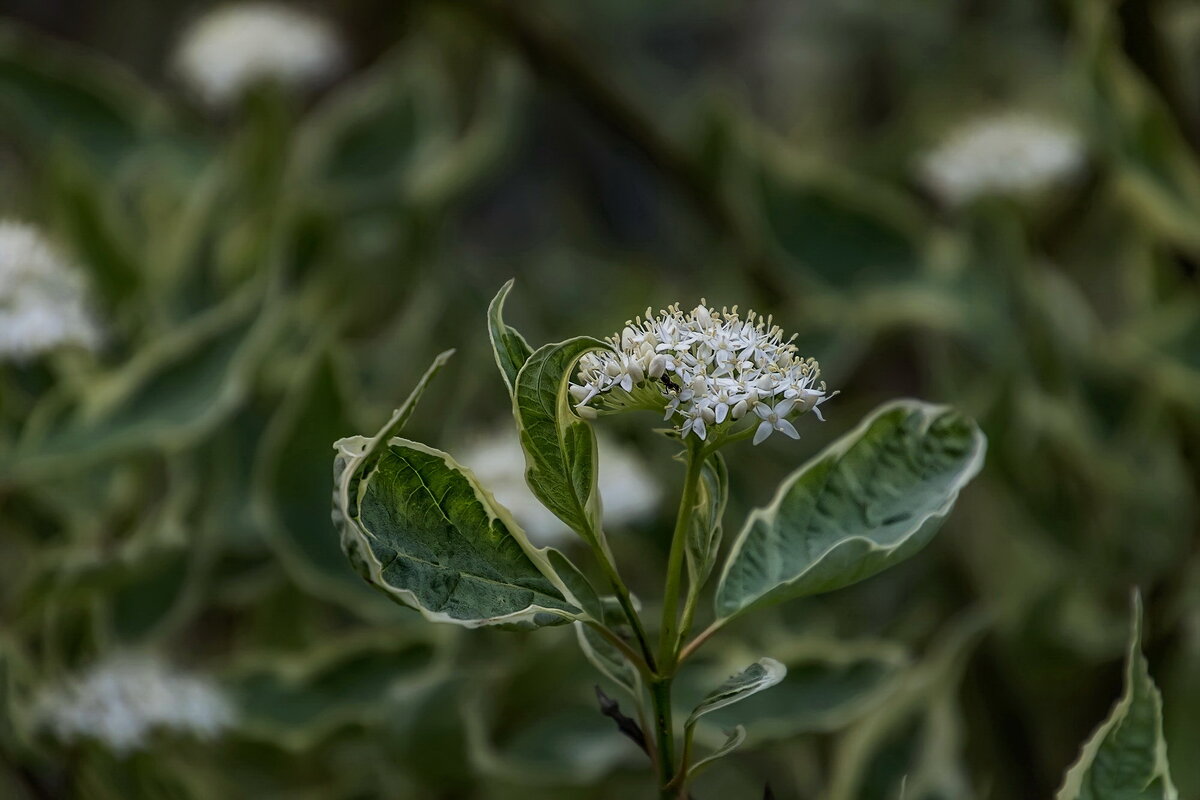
628, 492
1007, 154
708, 367
234, 47
43, 297
122, 700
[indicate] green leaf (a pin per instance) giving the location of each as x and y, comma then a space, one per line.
414, 522
732, 742
167, 396
50, 92
704, 532
847, 232
578, 587
604, 656
508, 345
560, 448
432, 538
1126, 758
872, 499
358, 454
762, 674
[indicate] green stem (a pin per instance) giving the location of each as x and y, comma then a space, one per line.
668, 643
626, 602
660, 695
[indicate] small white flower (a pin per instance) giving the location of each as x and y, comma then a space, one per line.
122, 700
774, 419
1008, 154
705, 369
233, 47
43, 296
629, 493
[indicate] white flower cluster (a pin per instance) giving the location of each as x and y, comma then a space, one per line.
226, 51
1008, 154
123, 699
708, 367
43, 297
629, 493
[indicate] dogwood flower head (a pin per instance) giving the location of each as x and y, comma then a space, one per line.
226, 51
1007, 154
43, 296
629, 492
705, 369
122, 700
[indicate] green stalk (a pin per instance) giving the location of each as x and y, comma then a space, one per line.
669, 633
664, 733
668, 655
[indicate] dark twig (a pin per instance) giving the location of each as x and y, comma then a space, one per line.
612, 709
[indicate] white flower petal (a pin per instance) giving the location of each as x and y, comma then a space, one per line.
764, 430
787, 428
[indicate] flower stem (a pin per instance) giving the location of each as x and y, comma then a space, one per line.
668, 643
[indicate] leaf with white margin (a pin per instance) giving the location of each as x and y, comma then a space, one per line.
434, 539
1127, 755
508, 345
604, 656
355, 455
762, 674
732, 742
870, 500
417, 525
560, 448
830, 684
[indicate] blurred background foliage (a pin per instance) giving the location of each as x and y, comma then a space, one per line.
275, 274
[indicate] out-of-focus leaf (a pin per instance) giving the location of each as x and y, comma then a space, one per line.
844, 231
168, 396
364, 142
560, 448
292, 483
454, 165
1182, 693
508, 345
51, 93
871, 500
571, 745
1127, 755
914, 739
1156, 169
295, 701
100, 237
